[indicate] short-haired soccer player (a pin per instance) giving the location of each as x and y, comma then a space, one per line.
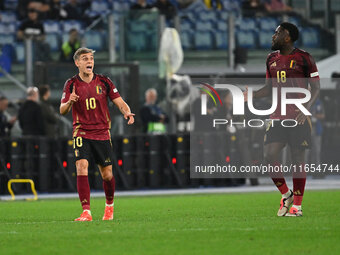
86, 94
288, 66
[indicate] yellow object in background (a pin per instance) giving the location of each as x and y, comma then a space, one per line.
9, 185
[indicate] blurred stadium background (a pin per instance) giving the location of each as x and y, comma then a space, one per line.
220, 39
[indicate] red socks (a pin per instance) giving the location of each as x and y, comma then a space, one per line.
109, 188
84, 191
299, 182
279, 180
281, 185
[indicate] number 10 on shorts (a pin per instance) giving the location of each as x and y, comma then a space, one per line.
77, 141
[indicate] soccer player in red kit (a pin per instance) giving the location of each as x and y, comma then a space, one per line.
288, 66
86, 94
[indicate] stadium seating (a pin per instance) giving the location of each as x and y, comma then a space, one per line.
248, 24
7, 28
221, 39
310, 37
93, 14
7, 39
120, 5
186, 39
94, 40
54, 41
268, 23
204, 40
206, 15
100, 6
52, 26
222, 25
11, 4
19, 52
200, 28
246, 39
265, 39
204, 26
69, 24
8, 17
64, 37
187, 25
223, 15
295, 20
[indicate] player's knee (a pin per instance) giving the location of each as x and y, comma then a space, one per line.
82, 167
107, 176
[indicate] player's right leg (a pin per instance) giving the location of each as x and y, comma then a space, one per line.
271, 155
82, 153
83, 188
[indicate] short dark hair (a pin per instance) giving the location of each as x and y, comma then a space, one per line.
43, 89
72, 30
292, 30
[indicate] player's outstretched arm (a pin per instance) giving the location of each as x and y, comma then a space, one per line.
66, 107
265, 91
124, 109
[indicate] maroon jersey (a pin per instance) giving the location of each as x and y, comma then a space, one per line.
294, 70
91, 117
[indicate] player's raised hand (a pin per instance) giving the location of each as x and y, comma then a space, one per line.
74, 97
245, 94
130, 117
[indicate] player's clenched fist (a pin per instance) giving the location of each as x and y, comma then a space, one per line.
73, 97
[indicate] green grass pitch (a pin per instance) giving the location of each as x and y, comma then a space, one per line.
188, 224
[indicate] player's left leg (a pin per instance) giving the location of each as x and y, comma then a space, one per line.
102, 152
299, 181
109, 188
299, 141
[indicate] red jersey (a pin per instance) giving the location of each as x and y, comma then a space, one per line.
293, 70
91, 117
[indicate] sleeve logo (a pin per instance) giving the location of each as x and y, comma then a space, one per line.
115, 90
314, 74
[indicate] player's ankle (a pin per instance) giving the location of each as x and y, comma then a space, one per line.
88, 211
109, 204
287, 194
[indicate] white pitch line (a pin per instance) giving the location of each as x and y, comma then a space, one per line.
325, 184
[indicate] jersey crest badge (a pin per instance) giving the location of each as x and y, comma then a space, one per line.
99, 89
273, 65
